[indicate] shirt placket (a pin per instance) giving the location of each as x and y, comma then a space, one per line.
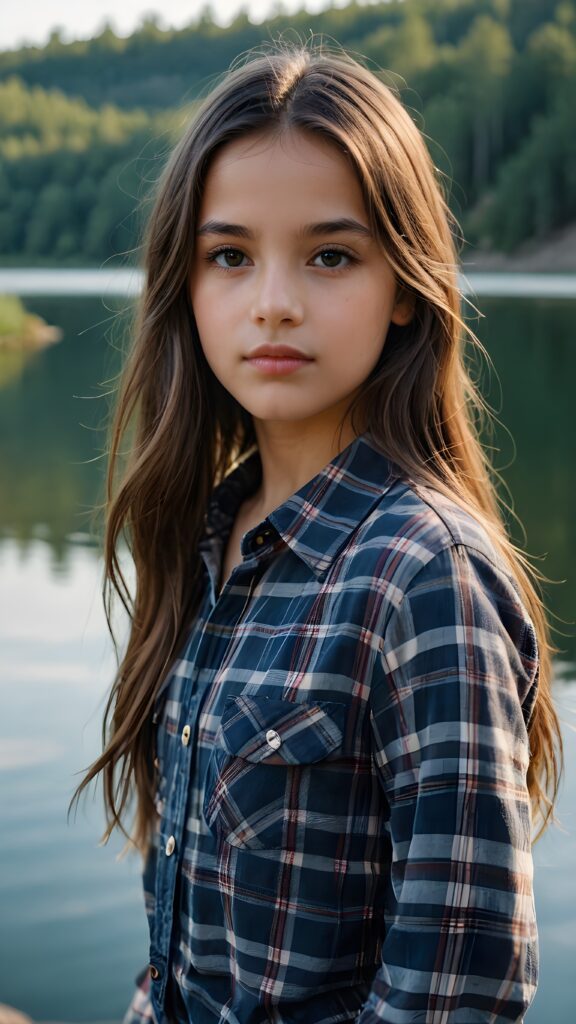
231, 607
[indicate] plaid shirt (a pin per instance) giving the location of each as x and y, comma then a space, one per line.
344, 828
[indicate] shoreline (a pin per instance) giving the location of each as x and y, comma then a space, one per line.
555, 254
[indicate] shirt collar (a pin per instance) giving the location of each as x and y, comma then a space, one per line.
317, 520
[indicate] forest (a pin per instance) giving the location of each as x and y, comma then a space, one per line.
85, 126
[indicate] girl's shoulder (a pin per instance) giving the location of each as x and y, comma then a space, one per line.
413, 523
440, 574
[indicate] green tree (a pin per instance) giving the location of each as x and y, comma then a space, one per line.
411, 47
536, 189
51, 212
107, 40
484, 59
551, 51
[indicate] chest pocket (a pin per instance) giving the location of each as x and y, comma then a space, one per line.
273, 777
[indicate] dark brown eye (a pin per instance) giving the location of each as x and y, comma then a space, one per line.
233, 258
336, 259
232, 255
330, 255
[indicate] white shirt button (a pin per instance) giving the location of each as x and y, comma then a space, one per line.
273, 739
170, 846
185, 735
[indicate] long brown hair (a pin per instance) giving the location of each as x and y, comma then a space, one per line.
185, 430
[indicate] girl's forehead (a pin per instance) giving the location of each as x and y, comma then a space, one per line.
249, 171
295, 143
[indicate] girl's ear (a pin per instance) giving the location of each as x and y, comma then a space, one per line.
403, 307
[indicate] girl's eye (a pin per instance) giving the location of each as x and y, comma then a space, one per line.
227, 251
233, 258
338, 253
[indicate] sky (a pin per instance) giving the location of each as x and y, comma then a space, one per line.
32, 20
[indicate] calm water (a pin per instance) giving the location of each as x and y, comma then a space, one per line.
72, 925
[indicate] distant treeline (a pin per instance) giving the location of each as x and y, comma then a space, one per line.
86, 126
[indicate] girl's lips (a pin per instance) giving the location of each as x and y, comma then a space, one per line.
276, 365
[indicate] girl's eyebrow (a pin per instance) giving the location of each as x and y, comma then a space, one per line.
325, 227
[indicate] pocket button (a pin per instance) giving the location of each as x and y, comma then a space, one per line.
273, 739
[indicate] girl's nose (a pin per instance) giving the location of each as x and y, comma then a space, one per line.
277, 297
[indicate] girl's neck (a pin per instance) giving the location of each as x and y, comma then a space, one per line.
292, 454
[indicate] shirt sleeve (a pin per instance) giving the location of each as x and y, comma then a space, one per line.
451, 751
140, 1009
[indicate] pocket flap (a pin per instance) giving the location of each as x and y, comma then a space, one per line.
280, 731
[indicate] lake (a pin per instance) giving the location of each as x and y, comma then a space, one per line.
73, 932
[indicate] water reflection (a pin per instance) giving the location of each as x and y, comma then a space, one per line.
531, 344
53, 425
12, 363
68, 907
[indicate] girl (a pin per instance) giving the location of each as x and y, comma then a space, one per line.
334, 709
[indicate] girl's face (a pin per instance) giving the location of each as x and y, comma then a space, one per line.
275, 266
